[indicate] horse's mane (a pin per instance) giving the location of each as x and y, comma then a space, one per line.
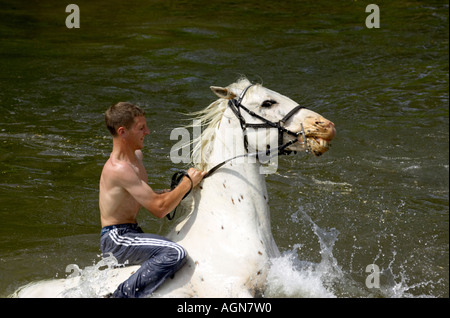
210, 118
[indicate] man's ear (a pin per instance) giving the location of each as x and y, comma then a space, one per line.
222, 92
120, 131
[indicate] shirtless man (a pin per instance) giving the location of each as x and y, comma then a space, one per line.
123, 191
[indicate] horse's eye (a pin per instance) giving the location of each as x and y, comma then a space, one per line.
268, 103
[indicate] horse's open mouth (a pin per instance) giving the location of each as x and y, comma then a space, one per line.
317, 145
322, 142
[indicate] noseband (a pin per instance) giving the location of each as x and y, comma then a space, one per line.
236, 106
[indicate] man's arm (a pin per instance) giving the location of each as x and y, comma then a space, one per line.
159, 204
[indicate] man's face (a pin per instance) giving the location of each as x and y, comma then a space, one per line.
137, 132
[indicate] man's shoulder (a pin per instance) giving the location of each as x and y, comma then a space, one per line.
118, 169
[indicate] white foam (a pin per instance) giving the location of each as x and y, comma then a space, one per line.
91, 280
288, 277
291, 277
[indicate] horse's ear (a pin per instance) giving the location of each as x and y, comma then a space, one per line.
222, 92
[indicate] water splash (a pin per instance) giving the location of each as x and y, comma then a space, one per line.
90, 280
291, 277
399, 286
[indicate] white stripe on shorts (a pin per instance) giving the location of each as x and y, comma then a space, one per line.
142, 241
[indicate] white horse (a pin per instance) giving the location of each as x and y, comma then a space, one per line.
224, 224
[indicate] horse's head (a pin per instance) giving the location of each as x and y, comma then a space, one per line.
258, 107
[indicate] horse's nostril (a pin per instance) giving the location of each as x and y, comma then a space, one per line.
326, 123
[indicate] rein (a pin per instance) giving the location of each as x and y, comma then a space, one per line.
236, 106
176, 179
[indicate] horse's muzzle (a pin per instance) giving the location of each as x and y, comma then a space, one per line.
319, 134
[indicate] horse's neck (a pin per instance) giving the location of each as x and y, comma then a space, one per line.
229, 143
240, 181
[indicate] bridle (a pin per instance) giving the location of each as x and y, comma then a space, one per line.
236, 106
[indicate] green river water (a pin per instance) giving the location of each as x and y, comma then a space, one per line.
379, 196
